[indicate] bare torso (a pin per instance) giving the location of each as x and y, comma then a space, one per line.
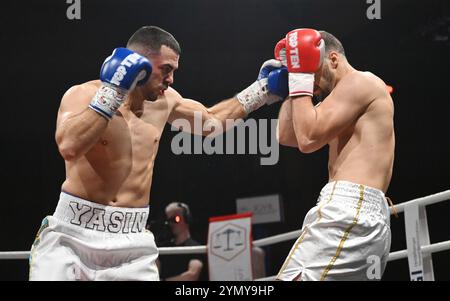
364, 152
118, 170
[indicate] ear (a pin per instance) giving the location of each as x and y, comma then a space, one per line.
334, 58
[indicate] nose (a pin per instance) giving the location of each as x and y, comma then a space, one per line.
169, 78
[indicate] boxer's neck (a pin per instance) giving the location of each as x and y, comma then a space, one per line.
342, 70
134, 102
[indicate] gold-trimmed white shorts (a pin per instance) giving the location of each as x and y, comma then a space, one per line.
346, 236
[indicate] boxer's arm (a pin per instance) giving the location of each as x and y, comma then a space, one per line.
208, 119
271, 86
285, 127
78, 128
315, 126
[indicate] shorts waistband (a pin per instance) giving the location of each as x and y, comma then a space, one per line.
346, 188
77, 211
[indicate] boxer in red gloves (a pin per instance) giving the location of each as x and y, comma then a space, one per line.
350, 225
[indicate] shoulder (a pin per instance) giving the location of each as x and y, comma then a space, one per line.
357, 79
172, 95
84, 91
76, 99
363, 86
371, 93
376, 90
84, 88
368, 82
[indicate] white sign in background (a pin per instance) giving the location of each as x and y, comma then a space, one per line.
229, 248
265, 209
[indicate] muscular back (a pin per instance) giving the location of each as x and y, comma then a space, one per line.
117, 169
364, 151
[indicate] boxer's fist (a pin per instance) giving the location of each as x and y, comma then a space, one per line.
125, 68
261, 92
120, 73
305, 50
277, 84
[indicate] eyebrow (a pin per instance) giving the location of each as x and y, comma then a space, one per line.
169, 66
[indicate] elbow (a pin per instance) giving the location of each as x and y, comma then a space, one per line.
67, 151
283, 140
66, 147
306, 145
306, 149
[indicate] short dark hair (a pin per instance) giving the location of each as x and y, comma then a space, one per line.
332, 43
152, 38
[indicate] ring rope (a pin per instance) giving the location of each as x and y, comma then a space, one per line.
426, 250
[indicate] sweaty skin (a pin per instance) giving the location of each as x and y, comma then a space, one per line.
355, 120
111, 163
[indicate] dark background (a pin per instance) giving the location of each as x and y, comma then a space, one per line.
223, 45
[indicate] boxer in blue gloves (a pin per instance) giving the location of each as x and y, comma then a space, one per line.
108, 131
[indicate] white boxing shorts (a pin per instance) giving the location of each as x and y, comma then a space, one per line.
346, 236
88, 241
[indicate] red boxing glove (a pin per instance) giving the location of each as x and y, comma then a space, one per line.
305, 50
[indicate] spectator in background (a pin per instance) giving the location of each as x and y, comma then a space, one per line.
182, 267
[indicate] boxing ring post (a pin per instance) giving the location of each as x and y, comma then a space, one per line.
419, 250
417, 236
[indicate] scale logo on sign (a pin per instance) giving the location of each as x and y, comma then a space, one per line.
229, 247
228, 241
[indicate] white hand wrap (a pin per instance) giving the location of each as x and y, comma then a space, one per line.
107, 100
256, 95
301, 84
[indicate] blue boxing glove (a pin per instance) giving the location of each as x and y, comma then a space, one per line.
270, 87
120, 73
278, 84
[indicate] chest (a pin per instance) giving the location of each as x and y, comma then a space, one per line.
134, 133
